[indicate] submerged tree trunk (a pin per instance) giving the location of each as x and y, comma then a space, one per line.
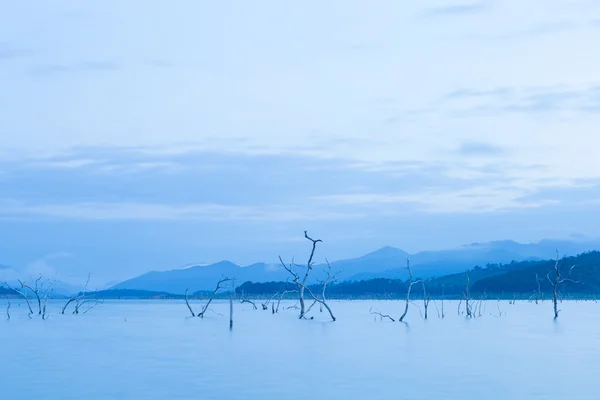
231, 312
410, 284
467, 305
302, 285
426, 300
187, 303
558, 279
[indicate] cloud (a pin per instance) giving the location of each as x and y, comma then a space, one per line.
455, 10
469, 93
49, 69
7, 51
100, 184
476, 199
585, 98
169, 212
479, 149
544, 29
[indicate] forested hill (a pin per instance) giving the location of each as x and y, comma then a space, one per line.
494, 280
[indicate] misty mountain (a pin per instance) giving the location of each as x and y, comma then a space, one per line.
387, 262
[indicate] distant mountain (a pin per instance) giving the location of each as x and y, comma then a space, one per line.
204, 277
387, 262
516, 279
122, 294
437, 263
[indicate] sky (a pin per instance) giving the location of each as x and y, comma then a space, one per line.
148, 135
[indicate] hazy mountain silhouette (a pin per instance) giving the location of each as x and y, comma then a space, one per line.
386, 262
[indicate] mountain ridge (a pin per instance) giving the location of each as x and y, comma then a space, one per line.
385, 262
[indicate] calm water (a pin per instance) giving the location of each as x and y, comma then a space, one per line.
151, 350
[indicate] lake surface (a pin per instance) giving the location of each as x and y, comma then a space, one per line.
153, 350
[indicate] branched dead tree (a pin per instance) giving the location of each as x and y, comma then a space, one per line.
559, 278
81, 299
499, 310
91, 304
38, 290
302, 284
212, 296
410, 284
381, 316
265, 305
23, 295
286, 291
322, 300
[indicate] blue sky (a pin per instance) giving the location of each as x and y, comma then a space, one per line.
146, 135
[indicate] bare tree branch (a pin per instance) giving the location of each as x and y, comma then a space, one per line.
382, 316
188, 303
23, 295
286, 291
248, 301
217, 289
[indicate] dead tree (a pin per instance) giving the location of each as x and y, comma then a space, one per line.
250, 302
559, 278
44, 314
443, 289
265, 305
468, 309
212, 296
8, 311
286, 291
426, 299
321, 300
539, 289
91, 304
82, 299
188, 303
231, 311
38, 290
381, 316
410, 284
301, 284
23, 295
